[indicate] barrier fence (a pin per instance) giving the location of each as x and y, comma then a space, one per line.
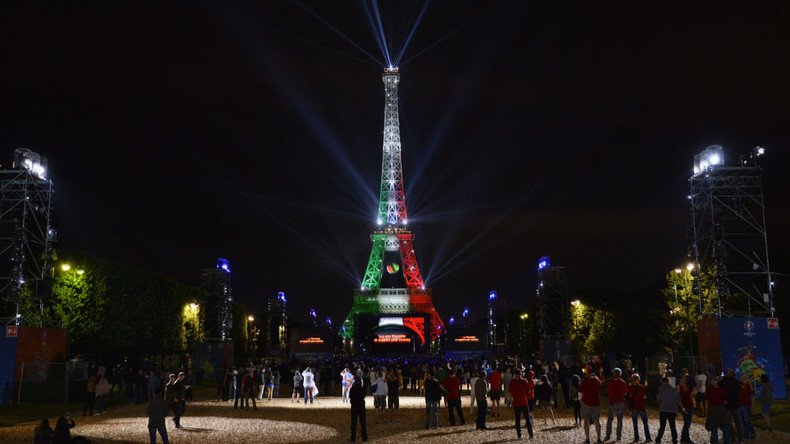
50, 382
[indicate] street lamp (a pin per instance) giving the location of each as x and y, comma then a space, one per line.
251, 318
576, 303
690, 266
65, 267
524, 317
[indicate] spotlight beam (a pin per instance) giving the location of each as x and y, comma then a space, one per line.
445, 37
337, 31
381, 39
381, 31
411, 33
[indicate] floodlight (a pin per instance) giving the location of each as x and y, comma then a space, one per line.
709, 157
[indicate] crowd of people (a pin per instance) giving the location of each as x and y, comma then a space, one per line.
532, 391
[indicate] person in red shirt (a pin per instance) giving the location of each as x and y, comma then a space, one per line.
616, 390
519, 389
495, 392
531, 392
718, 417
452, 386
637, 393
591, 402
684, 391
746, 395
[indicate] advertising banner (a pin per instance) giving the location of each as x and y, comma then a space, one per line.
752, 346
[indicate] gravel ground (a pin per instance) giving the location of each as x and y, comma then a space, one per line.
327, 420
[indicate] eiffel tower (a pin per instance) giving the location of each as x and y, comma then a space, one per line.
396, 304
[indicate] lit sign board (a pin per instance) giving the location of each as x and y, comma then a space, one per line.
398, 339
467, 339
311, 340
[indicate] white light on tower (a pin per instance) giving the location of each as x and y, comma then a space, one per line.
709, 157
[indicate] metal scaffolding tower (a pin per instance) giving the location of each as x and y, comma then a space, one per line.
27, 236
553, 310
729, 234
219, 300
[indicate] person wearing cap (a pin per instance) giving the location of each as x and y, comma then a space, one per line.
591, 404
637, 394
718, 417
616, 390
519, 387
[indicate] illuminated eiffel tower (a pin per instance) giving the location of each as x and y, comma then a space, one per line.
394, 306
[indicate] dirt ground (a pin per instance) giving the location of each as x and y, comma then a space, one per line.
328, 421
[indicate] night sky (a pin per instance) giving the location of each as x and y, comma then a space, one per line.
184, 132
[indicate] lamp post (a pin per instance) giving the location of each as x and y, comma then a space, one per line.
253, 341
524, 317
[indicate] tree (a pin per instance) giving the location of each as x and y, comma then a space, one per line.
591, 330
685, 308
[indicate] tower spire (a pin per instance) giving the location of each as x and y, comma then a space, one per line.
392, 199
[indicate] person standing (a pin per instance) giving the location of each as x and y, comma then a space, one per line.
238, 375
433, 394
733, 400
189, 382
766, 400
472, 398
345, 383
544, 393
452, 386
717, 418
686, 402
90, 394
638, 394
308, 381
298, 389
746, 394
181, 390
701, 384
380, 390
102, 392
172, 397
519, 387
356, 396
506, 378
590, 404
482, 404
573, 394
157, 412
277, 381
495, 390
616, 389
153, 383
668, 406
249, 389
393, 389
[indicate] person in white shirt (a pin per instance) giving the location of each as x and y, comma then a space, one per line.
472, 398
700, 388
380, 392
308, 381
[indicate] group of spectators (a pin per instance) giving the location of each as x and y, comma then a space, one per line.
532, 391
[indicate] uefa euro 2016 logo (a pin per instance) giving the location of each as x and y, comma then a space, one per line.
749, 327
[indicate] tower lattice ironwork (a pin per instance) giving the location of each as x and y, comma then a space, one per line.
392, 240
27, 235
729, 235
553, 308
